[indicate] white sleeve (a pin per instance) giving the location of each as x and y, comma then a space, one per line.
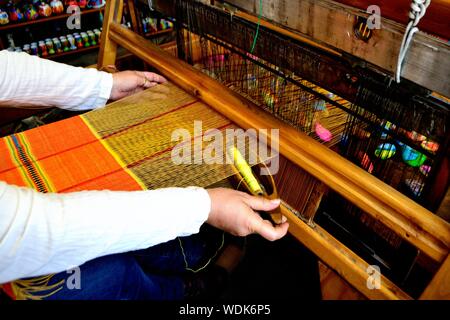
48, 233
29, 81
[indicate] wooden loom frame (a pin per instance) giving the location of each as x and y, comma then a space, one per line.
420, 227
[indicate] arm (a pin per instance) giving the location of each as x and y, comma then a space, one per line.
28, 81
49, 233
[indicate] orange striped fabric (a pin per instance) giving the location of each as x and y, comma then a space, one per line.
125, 146
64, 156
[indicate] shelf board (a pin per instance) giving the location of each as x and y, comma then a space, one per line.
157, 33
58, 55
39, 20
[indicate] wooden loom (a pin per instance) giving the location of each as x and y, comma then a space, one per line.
418, 226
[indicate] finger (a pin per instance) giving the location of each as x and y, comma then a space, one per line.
154, 77
261, 203
267, 230
148, 84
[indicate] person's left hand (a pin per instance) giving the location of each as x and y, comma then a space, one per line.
126, 83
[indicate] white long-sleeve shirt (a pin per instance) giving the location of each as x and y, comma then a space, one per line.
29, 81
49, 233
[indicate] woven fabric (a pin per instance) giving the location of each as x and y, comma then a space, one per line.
124, 146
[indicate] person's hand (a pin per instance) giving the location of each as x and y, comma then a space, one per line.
126, 83
232, 211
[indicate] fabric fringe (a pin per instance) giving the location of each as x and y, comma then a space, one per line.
28, 289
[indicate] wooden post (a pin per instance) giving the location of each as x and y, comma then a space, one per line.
134, 18
439, 287
108, 49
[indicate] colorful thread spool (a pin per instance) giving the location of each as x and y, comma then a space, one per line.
64, 43
91, 36
96, 3
388, 126
78, 41
44, 10
85, 38
82, 3
385, 151
4, 19
98, 34
425, 169
72, 44
14, 13
322, 133
57, 6
42, 49
57, 45
413, 157
30, 12
50, 48
415, 136
430, 145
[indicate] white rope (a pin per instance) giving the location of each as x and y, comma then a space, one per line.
418, 9
150, 5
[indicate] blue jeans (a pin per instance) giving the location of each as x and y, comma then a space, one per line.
155, 273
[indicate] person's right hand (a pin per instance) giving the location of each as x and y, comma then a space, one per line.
233, 212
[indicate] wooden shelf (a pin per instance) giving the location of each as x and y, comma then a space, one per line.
157, 33
58, 55
39, 20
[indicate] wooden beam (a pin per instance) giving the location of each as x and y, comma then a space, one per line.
436, 20
412, 222
331, 24
108, 49
341, 259
134, 17
439, 287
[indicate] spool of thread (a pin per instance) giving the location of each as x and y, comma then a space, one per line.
323, 133
413, 157
385, 151
245, 171
430, 145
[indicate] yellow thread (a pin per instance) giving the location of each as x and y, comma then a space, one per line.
25, 289
245, 171
209, 260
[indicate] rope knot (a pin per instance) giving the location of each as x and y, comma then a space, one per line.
418, 9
